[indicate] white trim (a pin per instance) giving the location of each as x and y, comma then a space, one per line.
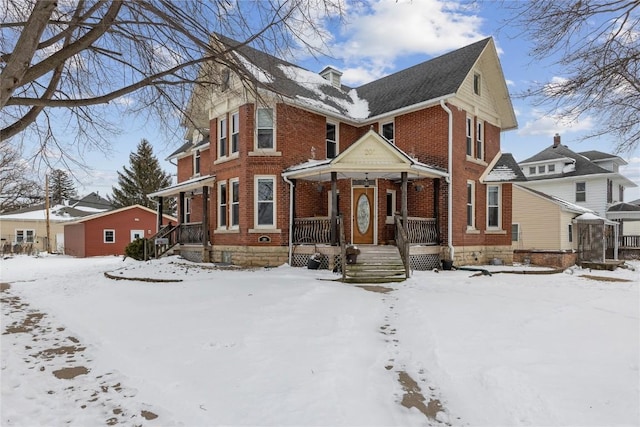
256, 201
493, 228
471, 226
393, 124
231, 134
480, 140
223, 124
273, 130
219, 225
104, 235
24, 235
231, 225
374, 210
469, 140
197, 159
336, 141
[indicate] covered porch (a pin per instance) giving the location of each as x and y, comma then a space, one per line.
371, 194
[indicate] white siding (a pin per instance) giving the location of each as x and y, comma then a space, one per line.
566, 189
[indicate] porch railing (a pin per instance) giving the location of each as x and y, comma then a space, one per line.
624, 241
402, 242
191, 233
312, 230
422, 230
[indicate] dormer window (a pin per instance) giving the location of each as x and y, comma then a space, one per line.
551, 168
541, 169
532, 170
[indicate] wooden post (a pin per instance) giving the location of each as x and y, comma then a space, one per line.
205, 215
405, 211
334, 208
181, 208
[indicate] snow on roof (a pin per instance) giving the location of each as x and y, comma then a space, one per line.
501, 173
261, 75
56, 213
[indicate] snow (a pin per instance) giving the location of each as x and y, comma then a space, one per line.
290, 346
501, 173
56, 213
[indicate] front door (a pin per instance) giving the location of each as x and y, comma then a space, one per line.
363, 215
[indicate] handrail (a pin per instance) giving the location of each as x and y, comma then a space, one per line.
403, 245
312, 230
343, 248
170, 232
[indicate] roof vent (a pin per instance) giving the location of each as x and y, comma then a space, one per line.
331, 74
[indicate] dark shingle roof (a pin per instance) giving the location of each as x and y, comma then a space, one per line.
506, 169
595, 155
93, 200
624, 207
583, 166
183, 148
429, 80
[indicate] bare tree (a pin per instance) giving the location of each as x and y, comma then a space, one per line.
74, 63
17, 188
596, 46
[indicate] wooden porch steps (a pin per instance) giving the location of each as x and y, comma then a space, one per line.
376, 264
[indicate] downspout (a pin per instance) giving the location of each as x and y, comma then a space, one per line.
291, 186
449, 180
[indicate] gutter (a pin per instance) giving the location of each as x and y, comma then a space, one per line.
449, 180
291, 187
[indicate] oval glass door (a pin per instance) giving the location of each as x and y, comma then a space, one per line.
364, 214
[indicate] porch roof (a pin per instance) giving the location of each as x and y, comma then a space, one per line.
189, 185
372, 156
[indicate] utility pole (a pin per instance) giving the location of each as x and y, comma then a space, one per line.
46, 208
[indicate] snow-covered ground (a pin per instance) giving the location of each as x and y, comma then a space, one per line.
290, 346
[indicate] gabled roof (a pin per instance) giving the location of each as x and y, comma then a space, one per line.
583, 166
596, 156
624, 207
565, 205
505, 169
371, 156
433, 79
92, 201
116, 211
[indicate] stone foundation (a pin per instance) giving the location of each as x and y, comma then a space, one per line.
558, 259
250, 256
479, 255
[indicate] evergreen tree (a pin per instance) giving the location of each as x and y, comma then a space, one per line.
61, 187
143, 177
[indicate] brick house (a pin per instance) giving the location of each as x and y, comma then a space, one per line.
298, 163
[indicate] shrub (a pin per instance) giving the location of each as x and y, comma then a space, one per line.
135, 249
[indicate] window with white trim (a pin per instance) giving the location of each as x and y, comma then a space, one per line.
570, 231
388, 131
265, 205
581, 191
471, 200
532, 170
222, 137
542, 169
234, 209
222, 204
196, 162
332, 140
515, 232
391, 206
493, 206
469, 136
551, 168
109, 236
480, 140
25, 236
265, 129
235, 132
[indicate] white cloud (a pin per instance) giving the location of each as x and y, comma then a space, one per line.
542, 123
379, 32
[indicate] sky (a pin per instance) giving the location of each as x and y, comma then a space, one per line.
385, 36
290, 346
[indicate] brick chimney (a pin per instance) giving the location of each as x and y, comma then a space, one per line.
556, 140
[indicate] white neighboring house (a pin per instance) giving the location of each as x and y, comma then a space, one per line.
590, 179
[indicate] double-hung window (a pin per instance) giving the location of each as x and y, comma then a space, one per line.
235, 132
471, 198
222, 137
515, 232
265, 206
25, 236
469, 136
235, 203
332, 141
479, 140
391, 206
493, 206
265, 129
222, 204
581, 191
109, 236
388, 131
196, 162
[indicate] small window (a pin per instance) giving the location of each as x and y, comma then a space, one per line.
470, 204
391, 206
226, 79
469, 136
265, 129
532, 170
196, 162
541, 169
551, 168
187, 210
222, 204
235, 132
581, 191
332, 141
235, 203
477, 84
109, 236
515, 232
25, 236
388, 132
222, 139
493, 206
570, 233
479, 139
609, 191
